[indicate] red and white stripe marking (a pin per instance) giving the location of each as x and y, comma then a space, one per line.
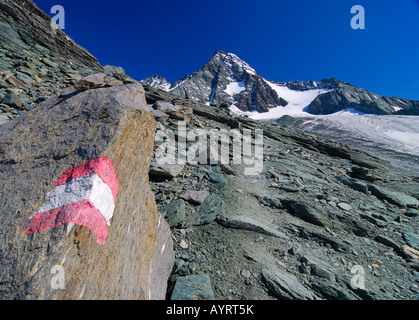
84, 195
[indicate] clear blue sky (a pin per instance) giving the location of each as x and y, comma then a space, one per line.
282, 39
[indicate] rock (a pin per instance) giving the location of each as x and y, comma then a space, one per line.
174, 112
246, 223
378, 222
97, 80
96, 131
118, 73
332, 291
165, 170
12, 100
412, 239
183, 244
387, 242
246, 273
159, 116
363, 174
37, 79
227, 169
345, 206
183, 271
323, 238
195, 197
307, 212
270, 201
276, 175
320, 272
174, 213
295, 250
414, 265
212, 206
289, 188
285, 285
349, 96
412, 213
399, 199
410, 253
193, 287
217, 178
18, 82
49, 63
198, 175
353, 183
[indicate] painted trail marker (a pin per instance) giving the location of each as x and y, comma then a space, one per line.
84, 195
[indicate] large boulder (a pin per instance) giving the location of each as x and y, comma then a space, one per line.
78, 219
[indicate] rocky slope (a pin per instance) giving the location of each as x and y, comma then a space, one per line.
38, 61
227, 80
301, 229
25, 27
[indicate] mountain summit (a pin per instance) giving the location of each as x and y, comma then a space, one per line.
228, 80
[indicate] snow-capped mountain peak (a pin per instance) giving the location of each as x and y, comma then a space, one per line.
227, 79
158, 82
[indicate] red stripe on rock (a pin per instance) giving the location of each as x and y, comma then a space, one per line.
82, 213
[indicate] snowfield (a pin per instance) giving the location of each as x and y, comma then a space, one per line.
297, 102
391, 138
235, 88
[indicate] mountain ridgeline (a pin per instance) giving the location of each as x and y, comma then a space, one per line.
227, 80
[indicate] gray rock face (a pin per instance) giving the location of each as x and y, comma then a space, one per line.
174, 213
306, 211
195, 197
400, 199
412, 239
330, 84
165, 170
350, 97
210, 209
193, 287
409, 107
387, 241
97, 80
246, 223
36, 149
353, 183
174, 112
285, 285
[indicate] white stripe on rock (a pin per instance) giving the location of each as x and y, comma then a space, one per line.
89, 187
